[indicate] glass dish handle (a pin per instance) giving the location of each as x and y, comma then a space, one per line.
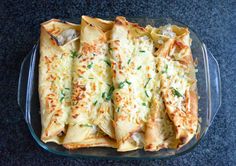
215, 83
23, 80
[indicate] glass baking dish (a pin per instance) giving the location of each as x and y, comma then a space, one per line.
209, 90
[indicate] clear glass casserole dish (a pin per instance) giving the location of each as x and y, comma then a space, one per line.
209, 90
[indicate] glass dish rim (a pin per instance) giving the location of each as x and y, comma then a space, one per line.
44, 146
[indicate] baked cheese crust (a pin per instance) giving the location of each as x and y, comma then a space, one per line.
55, 77
117, 84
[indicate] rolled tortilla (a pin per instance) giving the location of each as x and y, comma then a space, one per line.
55, 76
160, 132
178, 82
90, 122
102, 84
133, 70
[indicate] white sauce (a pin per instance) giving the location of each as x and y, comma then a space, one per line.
167, 31
67, 36
138, 138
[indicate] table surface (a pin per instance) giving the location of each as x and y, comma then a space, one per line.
214, 22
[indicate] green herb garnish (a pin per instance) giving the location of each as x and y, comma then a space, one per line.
165, 71
95, 102
103, 94
118, 109
146, 93
90, 65
144, 104
87, 125
67, 88
121, 85
147, 82
62, 96
108, 63
108, 98
110, 92
127, 82
128, 61
139, 67
62, 93
94, 54
176, 93
90, 78
141, 51
110, 50
74, 54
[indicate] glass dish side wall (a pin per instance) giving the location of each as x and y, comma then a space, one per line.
29, 102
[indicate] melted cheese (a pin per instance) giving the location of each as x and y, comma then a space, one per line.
54, 86
67, 36
174, 79
144, 85
167, 31
138, 69
145, 76
138, 138
92, 72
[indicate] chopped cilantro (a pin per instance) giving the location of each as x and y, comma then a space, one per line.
144, 104
141, 51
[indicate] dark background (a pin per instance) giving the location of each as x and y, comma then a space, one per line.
215, 23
